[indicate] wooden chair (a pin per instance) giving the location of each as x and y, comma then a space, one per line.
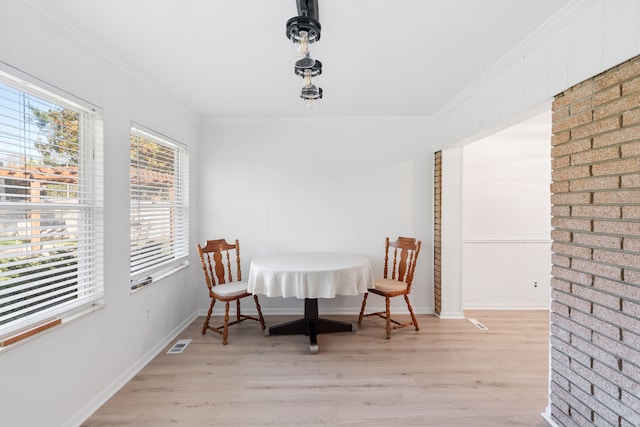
218, 273
405, 255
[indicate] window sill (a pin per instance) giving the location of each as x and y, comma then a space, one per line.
158, 275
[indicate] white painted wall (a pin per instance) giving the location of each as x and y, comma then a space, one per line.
59, 377
506, 218
320, 184
451, 228
586, 38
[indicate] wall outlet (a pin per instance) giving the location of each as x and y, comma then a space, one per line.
147, 313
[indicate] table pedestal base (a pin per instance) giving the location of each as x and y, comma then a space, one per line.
311, 325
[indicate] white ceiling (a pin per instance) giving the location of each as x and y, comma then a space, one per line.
231, 58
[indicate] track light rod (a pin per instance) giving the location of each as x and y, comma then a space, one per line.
308, 8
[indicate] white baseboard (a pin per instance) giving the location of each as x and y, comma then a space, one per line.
342, 311
99, 400
547, 418
543, 306
452, 315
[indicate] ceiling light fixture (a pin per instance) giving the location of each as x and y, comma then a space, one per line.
304, 30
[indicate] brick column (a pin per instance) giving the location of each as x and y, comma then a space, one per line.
437, 234
595, 308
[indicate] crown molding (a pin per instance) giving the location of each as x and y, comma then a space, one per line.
552, 26
51, 18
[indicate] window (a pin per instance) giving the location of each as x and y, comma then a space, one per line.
51, 261
159, 206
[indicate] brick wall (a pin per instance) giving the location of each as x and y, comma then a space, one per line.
595, 308
437, 232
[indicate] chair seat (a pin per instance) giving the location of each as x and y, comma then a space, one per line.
389, 285
226, 290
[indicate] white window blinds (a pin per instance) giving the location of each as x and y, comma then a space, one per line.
51, 246
159, 205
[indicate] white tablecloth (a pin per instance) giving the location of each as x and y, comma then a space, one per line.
310, 275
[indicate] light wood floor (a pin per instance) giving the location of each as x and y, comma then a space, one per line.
450, 373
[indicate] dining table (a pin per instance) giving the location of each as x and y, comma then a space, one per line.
310, 276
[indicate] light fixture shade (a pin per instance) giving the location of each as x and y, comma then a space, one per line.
311, 93
300, 27
307, 64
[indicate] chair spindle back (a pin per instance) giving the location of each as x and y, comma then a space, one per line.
405, 256
215, 257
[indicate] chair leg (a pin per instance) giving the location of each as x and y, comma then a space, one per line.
225, 330
206, 321
238, 310
255, 298
388, 304
364, 303
413, 316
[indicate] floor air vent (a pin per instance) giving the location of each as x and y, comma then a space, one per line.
179, 346
478, 324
